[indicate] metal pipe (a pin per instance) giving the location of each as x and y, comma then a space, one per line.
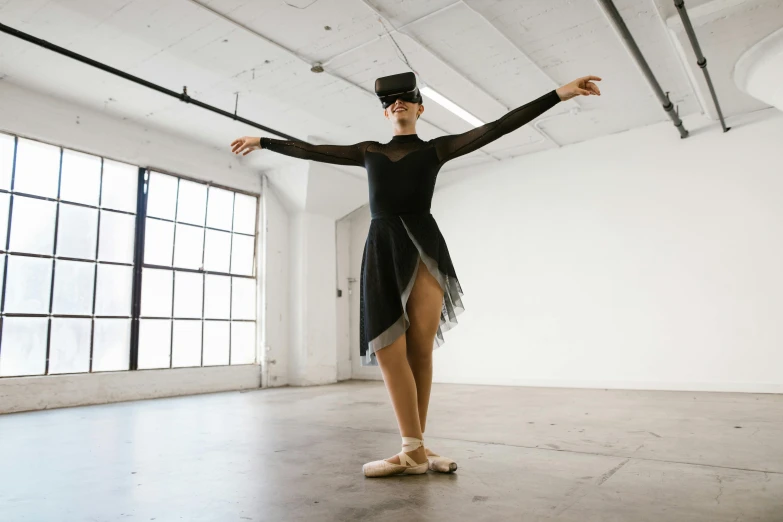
183, 96
700, 59
614, 15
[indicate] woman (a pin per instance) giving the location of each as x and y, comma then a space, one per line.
409, 289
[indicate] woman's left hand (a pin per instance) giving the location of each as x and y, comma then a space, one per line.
579, 87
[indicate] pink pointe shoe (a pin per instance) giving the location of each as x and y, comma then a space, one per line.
407, 466
440, 464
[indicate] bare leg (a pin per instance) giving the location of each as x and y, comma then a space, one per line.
424, 308
402, 390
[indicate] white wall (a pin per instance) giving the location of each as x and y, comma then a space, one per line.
40, 117
276, 294
343, 242
360, 223
637, 260
312, 307
316, 198
61, 391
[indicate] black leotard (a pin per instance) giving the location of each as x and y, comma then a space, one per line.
402, 176
402, 173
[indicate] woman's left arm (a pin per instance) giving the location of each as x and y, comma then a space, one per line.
453, 146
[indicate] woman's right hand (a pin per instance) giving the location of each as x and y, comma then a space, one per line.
245, 145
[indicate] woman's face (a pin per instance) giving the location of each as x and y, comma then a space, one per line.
402, 112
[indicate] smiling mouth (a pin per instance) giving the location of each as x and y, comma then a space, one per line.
399, 109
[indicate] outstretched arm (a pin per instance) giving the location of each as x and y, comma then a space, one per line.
336, 154
453, 146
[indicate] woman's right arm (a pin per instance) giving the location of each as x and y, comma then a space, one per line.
335, 154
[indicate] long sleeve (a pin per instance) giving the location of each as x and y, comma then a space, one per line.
336, 154
453, 146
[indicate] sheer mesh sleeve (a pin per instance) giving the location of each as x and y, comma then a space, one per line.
337, 154
453, 146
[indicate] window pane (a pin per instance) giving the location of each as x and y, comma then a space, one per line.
116, 237
156, 290
158, 242
245, 214
243, 298
217, 251
154, 343
113, 292
24, 346
80, 180
6, 160
217, 296
119, 186
242, 254
2, 271
219, 208
4, 201
188, 293
189, 246
77, 231
162, 196
28, 285
186, 350
32, 226
37, 168
243, 343
69, 350
216, 342
111, 345
73, 282
191, 202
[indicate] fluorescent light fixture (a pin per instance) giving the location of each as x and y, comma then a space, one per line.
450, 105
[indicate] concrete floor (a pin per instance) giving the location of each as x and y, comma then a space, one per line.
289, 454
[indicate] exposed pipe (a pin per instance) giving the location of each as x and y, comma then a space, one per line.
700, 59
614, 15
183, 96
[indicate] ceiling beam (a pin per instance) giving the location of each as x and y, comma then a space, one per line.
296, 55
392, 30
366, 92
552, 81
450, 66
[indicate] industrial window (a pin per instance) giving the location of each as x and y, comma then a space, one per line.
198, 291
105, 266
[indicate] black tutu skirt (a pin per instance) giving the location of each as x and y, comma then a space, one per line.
390, 262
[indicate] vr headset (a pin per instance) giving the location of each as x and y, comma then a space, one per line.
397, 87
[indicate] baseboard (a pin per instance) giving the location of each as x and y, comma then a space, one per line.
730, 387
60, 391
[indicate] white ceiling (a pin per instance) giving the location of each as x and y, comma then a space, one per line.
488, 56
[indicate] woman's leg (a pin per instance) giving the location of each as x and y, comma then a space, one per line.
424, 308
402, 390
406, 364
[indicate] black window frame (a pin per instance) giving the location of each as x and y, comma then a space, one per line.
137, 265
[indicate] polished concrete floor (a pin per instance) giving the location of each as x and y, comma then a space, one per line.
288, 454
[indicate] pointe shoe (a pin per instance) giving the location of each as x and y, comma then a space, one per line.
407, 466
440, 464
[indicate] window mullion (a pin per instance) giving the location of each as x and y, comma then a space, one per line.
138, 262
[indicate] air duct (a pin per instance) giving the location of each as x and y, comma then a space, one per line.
759, 72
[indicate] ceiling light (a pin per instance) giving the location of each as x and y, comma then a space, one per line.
451, 106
